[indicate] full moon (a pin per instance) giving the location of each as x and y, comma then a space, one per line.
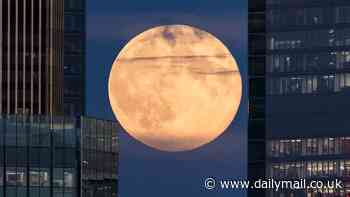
175, 88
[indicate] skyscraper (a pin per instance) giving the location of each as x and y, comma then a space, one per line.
41, 152
256, 127
51, 156
307, 93
31, 71
74, 57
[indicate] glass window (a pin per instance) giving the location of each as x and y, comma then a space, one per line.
70, 133
2, 132
59, 157
257, 87
256, 22
342, 14
58, 177
274, 148
282, 148
114, 189
297, 16
303, 84
11, 131
73, 45
114, 165
21, 191
73, 64
34, 191
21, 131
21, 156
44, 154
257, 65
34, 177
69, 174
336, 171
44, 177
74, 88
34, 159
58, 192
298, 147
108, 137
347, 168
58, 134
100, 144
11, 156
44, 132
69, 157
346, 145
341, 168
257, 44
11, 176
35, 134
314, 16
21, 176
1, 176
74, 4
11, 191
114, 138
44, 192
69, 192
73, 23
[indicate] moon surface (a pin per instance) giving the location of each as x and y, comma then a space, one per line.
175, 88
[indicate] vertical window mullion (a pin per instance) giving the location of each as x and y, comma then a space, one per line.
16, 58
1, 54
8, 53
32, 58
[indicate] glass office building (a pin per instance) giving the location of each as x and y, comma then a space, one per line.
31, 56
99, 158
307, 93
74, 57
42, 156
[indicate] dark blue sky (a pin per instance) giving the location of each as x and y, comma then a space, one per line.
144, 171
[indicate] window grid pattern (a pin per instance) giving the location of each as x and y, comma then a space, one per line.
311, 159
74, 57
320, 170
41, 156
31, 50
307, 47
99, 158
309, 147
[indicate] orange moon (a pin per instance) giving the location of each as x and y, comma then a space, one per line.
175, 88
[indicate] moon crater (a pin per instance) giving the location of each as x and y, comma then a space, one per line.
175, 88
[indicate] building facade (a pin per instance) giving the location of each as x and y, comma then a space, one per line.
57, 157
307, 93
31, 43
42, 153
99, 167
74, 57
256, 126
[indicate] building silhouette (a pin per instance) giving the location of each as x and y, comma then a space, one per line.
256, 122
51, 156
47, 148
74, 57
305, 49
31, 70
